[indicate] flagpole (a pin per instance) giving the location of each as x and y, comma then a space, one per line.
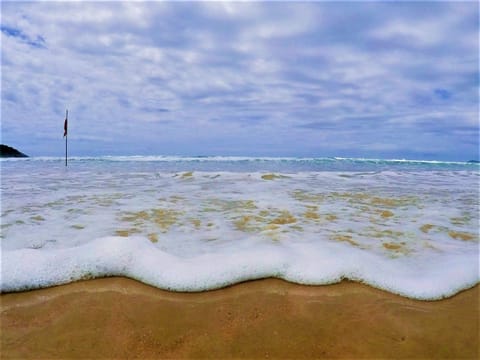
66, 137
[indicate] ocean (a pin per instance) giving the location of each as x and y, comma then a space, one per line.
201, 223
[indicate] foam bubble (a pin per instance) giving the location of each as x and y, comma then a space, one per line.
136, 257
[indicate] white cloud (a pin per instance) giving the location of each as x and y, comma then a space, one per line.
192, 75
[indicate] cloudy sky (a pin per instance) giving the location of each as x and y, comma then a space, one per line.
356, 79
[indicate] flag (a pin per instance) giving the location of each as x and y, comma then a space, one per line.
65, 127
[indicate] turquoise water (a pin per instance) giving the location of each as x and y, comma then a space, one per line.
243, 164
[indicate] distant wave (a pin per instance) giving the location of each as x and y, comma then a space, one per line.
173, 158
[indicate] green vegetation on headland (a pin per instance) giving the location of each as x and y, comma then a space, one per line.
8, 151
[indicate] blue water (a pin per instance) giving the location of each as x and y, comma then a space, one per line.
243, 164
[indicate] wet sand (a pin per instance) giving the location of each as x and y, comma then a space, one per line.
122, 318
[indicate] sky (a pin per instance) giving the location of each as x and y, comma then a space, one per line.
311, 79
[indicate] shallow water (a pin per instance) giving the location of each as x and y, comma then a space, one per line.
193, 224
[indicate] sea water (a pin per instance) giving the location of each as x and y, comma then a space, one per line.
201, 223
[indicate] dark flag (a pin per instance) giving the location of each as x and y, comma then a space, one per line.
65, 127
65, 131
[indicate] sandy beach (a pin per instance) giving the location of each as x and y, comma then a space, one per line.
123, 318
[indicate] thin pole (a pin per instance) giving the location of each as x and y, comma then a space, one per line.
66, 149
66, 137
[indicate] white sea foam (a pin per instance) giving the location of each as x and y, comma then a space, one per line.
411, 233
422, 278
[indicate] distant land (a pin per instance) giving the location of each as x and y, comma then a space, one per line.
8, 151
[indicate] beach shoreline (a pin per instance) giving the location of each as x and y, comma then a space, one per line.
270, 318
